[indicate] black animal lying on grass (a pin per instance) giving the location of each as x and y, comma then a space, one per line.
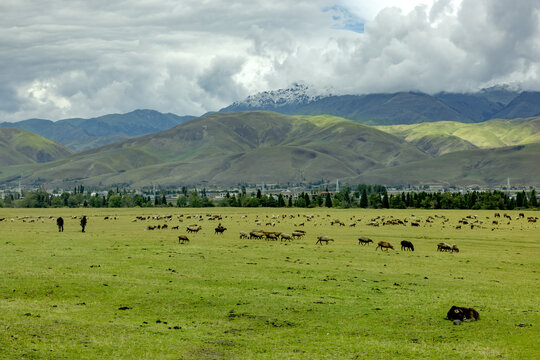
462, 314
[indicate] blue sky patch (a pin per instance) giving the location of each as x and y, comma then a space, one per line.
344, 19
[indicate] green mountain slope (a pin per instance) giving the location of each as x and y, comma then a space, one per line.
489, 167
385, 109
18, 147
439, 138
228, 148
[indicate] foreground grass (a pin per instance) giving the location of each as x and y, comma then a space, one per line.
120, 291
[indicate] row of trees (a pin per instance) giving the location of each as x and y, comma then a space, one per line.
362, 196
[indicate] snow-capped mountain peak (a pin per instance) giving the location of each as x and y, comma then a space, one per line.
297, 94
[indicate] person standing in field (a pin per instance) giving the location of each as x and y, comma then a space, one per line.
83, 222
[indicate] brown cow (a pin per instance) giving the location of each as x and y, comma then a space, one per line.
256, 235
183, 239
384, 245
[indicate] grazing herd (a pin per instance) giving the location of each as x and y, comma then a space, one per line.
472, 221
456, 313
259, 234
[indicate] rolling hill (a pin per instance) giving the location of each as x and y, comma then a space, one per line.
20, 147
82, 134
229, 148
482, 167
443, 137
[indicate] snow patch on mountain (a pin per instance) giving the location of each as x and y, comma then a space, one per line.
298, 94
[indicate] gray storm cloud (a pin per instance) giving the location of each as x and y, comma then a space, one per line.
82, 59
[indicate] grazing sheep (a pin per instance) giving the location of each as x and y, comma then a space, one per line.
454, 248
384, 245
364, 241
193, 228
321, 239
462, 314
444, 247
407, 245
286, 237
243, 235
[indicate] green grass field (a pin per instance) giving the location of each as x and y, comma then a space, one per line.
119, 291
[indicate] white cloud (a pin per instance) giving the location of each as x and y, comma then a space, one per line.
87, 58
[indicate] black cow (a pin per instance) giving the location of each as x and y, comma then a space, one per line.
407, 245
60, 224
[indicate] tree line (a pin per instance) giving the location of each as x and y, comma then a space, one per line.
360, 196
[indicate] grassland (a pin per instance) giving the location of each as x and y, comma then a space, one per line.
121, 291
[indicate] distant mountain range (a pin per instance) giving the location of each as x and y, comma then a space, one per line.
260, 146
82, 134
309, 136
397, 108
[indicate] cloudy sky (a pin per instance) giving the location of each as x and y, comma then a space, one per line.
78, 58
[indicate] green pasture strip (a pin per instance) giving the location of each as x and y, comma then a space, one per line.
122, 291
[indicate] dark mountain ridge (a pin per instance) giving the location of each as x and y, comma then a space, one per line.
81, 134
402, 107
